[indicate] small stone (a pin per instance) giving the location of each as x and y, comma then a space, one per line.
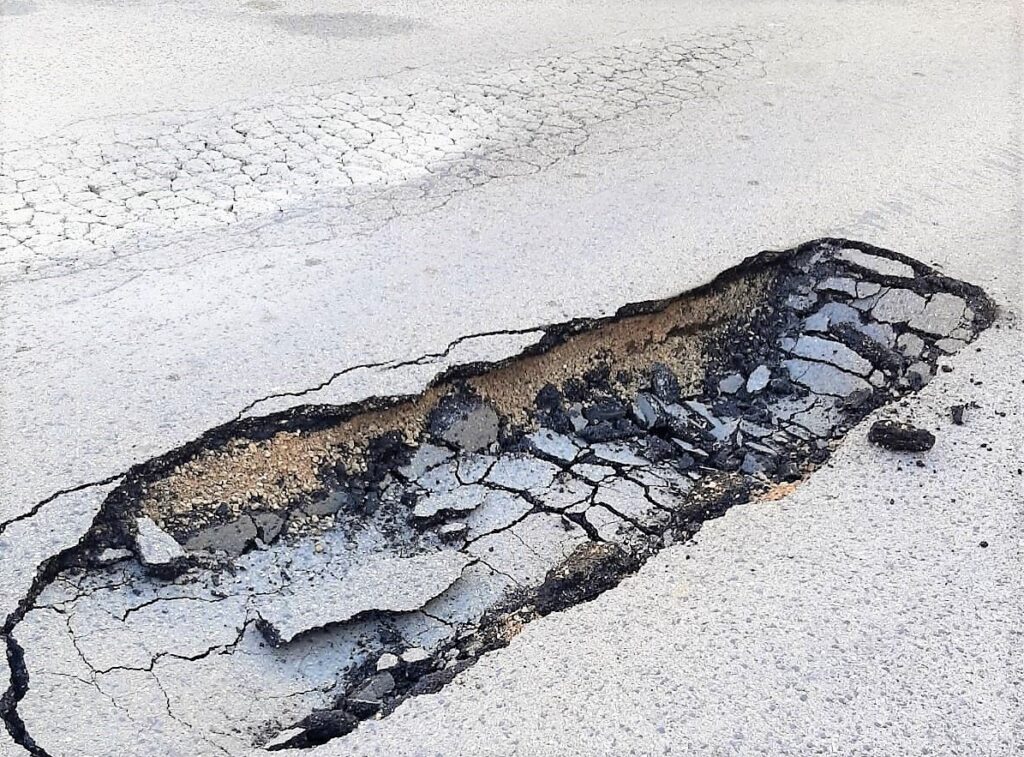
753, 429
910, 345
753, 464
387, 661
369, 697
759, 379
902, 437
323, 725
664, 383
155, 547
415, 655
609, 431
919, 374
576, 417
548, 398
857, 399
268, 526
647, 411
730, 384
724, 430
658, 449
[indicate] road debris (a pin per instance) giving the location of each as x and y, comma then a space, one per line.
902, 437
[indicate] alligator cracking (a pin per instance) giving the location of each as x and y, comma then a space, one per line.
280, 579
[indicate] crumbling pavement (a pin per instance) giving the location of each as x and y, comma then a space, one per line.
287, 576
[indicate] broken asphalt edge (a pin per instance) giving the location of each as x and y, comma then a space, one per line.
313, 416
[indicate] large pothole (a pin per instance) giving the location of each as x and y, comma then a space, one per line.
282, 578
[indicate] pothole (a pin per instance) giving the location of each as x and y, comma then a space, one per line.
283, 578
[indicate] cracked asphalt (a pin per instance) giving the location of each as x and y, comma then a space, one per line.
353, 201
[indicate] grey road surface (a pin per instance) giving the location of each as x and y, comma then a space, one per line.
223, 209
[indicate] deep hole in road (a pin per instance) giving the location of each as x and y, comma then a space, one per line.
282, 578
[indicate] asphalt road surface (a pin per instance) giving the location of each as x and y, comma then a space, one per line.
222, 210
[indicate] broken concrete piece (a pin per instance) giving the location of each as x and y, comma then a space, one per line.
758, 379
425, 457
802, 303
730, 384
876, 263
910, 345
451, 532
110, 556
900, 436
618, 453
499, 509
950, 346
553, 444
664, 383
155, 548
369, 697
381, 582
822, 378
460, 499
231, 538
567, 491
472, 467
529, 549
647, 411
609, 526
898, 306
941, 316
473, 430
919, 374
387, 661
835, 353
628, 500
522, 473
839, 284
831, 313
415, 655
